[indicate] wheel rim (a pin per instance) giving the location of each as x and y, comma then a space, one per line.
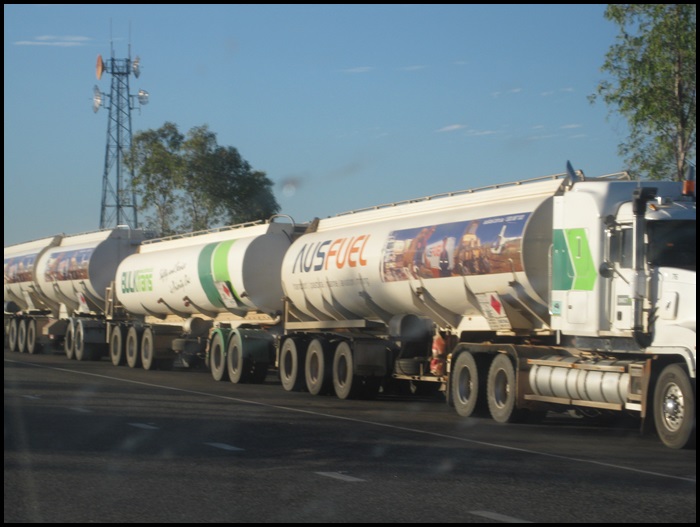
464, 385
31, 336
288, 364
342, 371
314, 368
235, 365
673, 407
501, 389
146, 349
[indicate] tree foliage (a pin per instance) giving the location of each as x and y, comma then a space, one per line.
652, 85
190, 183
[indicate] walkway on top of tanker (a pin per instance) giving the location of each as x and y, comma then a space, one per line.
615, 176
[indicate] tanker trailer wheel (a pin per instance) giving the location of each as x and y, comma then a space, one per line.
345, 383
237, 365
674, 408
291, 359
12, 335
116, 346
466, 391
318, 367
83, 350
22, 336
33, 345
148, 352
217, 357
133, 356
501, 392
69, 342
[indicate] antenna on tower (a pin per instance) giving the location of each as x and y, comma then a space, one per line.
119, 206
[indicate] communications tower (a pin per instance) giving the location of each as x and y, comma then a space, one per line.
119, 205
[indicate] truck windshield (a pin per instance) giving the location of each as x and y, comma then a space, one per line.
672, 244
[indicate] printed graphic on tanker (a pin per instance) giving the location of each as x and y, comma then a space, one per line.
68, 265
474, 247
19, 268
137, 281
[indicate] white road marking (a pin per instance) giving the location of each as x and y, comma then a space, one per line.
498, 517
80, 409
373, 423
143, 426
32, 397
224, 446
338, 475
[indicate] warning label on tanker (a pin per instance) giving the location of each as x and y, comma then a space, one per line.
474, 247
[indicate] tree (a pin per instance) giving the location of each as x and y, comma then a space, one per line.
652, 85
191, 183
157, 165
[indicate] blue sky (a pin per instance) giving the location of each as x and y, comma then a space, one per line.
342, 106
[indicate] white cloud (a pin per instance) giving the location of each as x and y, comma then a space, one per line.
512, 90
451, 128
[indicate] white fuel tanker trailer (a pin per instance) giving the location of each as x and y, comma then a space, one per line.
55, 290
557, 293
214, 296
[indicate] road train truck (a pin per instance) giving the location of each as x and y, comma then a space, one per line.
55, 290
563, 292
214, 297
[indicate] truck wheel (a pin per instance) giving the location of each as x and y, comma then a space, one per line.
116, 346
69, 341
291, 358
133, 357
465, 384
147, 352
22, 336
317, 367
217, 357
238, 366
83, 350
500, 389
674, 408
344, 380
33, 345
12, 335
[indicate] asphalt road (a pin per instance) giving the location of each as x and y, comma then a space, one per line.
90, 442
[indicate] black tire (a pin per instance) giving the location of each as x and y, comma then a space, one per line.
407, 366
318, 367
33, 345
345, 383
83, 350
501, 392
148, 352
465, 384
237, 365
116, 347
12, 335
69, 341
22, 335
133, 355
217, 357
290, 369
674, 408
